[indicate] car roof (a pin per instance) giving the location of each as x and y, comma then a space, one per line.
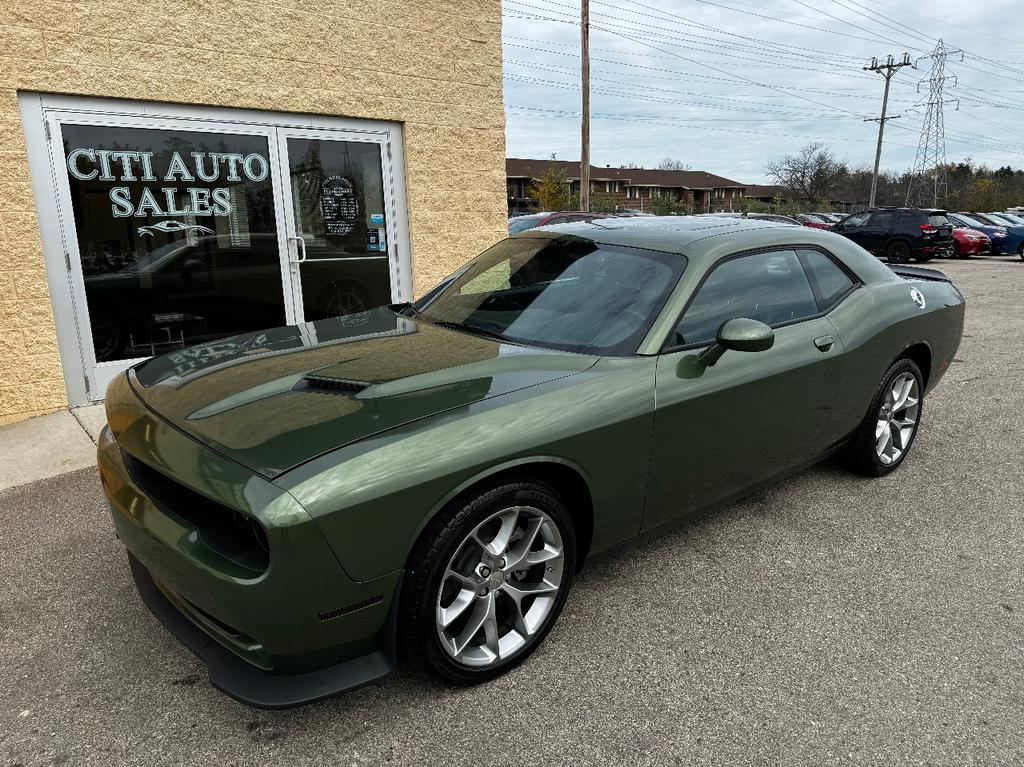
672, 234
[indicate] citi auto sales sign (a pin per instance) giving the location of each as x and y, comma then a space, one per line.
87, 164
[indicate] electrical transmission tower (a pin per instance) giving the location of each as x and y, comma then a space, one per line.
927, 185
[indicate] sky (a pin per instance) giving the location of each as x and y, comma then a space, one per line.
727, 86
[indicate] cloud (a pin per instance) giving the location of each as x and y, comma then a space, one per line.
728, 85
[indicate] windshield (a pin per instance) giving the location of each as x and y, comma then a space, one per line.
1012, 218
1000, 218
568, 293
523, 223
159, 258
968, 221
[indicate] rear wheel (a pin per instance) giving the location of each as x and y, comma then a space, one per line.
885, 436
486, 582
897, 252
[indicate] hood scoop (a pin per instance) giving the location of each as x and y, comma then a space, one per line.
328, 385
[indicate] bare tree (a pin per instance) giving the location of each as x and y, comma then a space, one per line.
810, 173
667, 163
631, 166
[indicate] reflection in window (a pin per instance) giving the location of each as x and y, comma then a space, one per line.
768, 287
177, 236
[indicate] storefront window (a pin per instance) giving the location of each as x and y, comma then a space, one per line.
177, 236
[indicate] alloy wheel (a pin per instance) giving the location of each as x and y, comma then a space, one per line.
500, 586
897, 419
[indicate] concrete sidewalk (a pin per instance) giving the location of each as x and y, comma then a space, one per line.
49, 445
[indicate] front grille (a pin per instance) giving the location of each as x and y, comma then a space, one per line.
236, 537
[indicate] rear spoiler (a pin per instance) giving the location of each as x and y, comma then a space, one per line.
919, 273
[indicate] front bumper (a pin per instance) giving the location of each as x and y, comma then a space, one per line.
294, 629
249, 684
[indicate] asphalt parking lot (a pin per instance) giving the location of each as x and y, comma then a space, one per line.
829, 620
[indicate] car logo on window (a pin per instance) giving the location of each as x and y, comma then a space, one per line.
918, 297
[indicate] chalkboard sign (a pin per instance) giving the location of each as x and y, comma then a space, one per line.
338, 205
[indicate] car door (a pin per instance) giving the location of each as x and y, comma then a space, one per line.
720, 430
878, 229
853, 227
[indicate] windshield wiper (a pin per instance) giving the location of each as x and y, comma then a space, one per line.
473, 329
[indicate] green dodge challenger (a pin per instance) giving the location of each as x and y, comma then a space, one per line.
304, 506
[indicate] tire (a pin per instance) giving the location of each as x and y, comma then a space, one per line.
480, 605
897, 252
108, 337
1020, 251
958, 252
901, 422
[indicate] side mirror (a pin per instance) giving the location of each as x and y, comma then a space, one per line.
741, 335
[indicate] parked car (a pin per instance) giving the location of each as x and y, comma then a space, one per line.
293, 516
777, 218
832, 218
1014, 242
522, 223
194, 290
1002, 242
970, 242
1011, 218
900, 234
814, 221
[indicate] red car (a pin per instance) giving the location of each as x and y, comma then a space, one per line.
532, 220
970, 242
813, 221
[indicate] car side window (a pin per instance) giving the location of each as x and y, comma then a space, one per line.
770, 287
830, 281
885, 219
855, 219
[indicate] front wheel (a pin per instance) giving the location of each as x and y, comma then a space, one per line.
486, 582
885, 436
897, 252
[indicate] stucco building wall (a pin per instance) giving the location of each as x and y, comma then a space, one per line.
436, 68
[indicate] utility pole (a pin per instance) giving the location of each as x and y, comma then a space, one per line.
585, 125
887, 70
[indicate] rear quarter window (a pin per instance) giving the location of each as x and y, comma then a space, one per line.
831, 283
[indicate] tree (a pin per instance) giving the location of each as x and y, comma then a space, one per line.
552, 191
810, 173
667, 163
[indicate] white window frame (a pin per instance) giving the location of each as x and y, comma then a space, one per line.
41, 117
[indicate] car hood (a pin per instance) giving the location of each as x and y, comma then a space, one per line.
275, 399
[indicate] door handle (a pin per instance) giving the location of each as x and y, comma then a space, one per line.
824, 343
300, 250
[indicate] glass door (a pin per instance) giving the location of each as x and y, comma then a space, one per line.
179, 225
176, 237
339, 221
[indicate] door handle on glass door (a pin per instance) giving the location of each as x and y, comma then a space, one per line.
824, 343
300, 250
